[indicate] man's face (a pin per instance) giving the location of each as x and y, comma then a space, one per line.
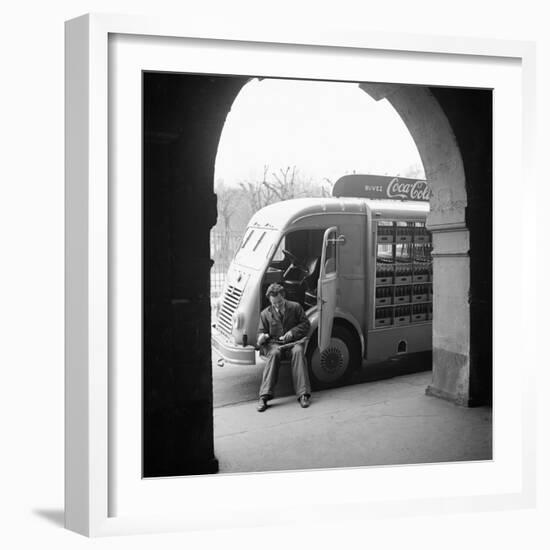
277, 300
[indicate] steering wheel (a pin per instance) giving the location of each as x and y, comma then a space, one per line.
294, 263
290, 257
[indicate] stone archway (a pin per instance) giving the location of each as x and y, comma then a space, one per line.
183, 120
459, 371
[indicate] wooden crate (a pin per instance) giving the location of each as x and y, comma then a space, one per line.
416, 317
421, 238
403, 320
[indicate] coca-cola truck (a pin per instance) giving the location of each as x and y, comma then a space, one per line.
360, 264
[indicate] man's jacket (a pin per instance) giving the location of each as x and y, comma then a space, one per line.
294, 319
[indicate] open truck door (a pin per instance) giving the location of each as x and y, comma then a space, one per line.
332, 358
327, 287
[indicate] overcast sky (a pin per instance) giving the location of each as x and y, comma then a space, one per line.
326, 129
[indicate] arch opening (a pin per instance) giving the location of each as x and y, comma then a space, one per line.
184, 116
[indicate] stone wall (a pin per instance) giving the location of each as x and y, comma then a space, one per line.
184, 116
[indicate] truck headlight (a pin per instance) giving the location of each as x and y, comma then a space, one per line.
238, 320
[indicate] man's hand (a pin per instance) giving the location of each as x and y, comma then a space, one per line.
287, 337
262, 338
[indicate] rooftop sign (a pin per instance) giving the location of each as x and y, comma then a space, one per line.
381, 187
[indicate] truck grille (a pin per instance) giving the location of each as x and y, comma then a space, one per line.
231, 300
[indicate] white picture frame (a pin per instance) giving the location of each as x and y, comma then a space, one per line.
506, 482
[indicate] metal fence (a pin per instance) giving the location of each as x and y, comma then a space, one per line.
223, 245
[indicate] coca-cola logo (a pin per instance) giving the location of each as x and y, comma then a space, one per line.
371, 186
415, 190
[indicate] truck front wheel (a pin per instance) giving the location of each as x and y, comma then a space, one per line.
335, 365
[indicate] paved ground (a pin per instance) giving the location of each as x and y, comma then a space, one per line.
379, 422
234, 384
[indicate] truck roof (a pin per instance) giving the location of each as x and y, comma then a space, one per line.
281, 214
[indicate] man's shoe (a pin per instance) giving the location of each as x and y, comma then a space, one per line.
304, 401
262, 405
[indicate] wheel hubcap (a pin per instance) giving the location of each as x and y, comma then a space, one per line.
330, 365
331, 360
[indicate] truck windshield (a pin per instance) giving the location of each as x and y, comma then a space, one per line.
256, 246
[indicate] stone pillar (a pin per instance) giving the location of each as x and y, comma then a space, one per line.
183, 120
469, 115
451, 315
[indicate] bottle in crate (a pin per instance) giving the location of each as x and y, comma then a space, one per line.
383, 296
385, 233
420, 293
419, 313
383, 317
403, 294
384, 274
420, 274
403, 274
404, 233
402, 315
421, 234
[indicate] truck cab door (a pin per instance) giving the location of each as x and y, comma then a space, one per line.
327, 286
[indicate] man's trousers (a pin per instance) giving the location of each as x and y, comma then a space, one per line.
298, 367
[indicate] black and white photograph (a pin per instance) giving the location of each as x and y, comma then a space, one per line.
317, 274
274, 275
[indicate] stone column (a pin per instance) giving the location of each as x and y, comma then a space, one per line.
183, 120
451, 315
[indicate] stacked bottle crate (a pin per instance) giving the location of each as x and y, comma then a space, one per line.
403, 293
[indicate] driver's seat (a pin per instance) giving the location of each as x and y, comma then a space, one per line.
296, 289
304, 291
310, 282
314, 267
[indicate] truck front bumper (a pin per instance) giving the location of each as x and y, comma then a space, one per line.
231, 353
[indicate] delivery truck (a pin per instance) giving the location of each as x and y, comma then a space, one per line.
360, 264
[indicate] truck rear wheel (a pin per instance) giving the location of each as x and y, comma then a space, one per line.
334, 366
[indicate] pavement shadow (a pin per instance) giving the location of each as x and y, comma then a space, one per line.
57, 517
398, 366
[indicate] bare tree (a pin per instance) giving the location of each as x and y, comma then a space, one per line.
258, 193
325, 187
228, 199
284, 184
284, 187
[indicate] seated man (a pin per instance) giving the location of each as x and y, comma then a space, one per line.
282, 331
